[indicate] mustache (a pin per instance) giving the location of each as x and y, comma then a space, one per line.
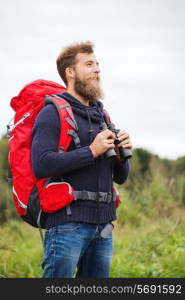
94, 77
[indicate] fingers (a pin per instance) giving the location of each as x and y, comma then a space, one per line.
110, 143
108, 137
125, 141
122, 135
126, 145
108, 134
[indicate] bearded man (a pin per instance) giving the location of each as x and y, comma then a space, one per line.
78, 238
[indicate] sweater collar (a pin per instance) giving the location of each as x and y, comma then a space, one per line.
93, 111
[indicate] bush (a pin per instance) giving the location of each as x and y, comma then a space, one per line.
129, 211
181, 189
7, 208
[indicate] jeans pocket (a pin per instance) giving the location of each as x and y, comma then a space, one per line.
68, 227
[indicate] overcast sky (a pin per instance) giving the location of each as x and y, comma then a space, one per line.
140, 45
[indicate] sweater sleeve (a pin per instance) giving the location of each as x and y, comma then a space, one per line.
121, 171
46, 160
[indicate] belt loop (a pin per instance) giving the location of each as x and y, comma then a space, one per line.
68, 210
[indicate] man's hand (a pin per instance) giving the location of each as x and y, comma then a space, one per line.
124, 139
102, 142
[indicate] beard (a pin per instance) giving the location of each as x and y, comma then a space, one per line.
88, 90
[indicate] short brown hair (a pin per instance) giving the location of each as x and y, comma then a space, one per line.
67, 57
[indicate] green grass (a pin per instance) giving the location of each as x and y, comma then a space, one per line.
20, 251
144, 246
151, 247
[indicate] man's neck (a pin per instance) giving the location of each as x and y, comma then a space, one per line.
78, 97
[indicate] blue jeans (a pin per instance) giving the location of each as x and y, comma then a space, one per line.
77, 247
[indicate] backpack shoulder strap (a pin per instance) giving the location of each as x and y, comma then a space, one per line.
68, 123
107, 117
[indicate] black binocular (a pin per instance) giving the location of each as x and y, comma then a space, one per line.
111, 153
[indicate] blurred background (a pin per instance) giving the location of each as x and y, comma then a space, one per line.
140, 46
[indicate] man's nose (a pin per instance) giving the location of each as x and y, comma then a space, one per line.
97, 70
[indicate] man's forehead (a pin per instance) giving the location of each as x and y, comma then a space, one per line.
84, 57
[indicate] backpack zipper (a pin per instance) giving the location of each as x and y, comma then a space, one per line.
21, 120
54, 183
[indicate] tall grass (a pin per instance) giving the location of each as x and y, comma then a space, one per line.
20, 251
150, 246
144, 246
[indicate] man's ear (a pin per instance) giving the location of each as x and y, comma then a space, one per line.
70, 72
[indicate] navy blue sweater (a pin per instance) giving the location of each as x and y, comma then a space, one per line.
76, 166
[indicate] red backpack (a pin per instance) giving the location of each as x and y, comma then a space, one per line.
34, 196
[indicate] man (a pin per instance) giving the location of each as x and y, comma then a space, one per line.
74, 241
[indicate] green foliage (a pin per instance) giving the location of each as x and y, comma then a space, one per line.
181, 189
180, 165
144, 158
129, 211
4, 166
20, 251
152, 247
7, 208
